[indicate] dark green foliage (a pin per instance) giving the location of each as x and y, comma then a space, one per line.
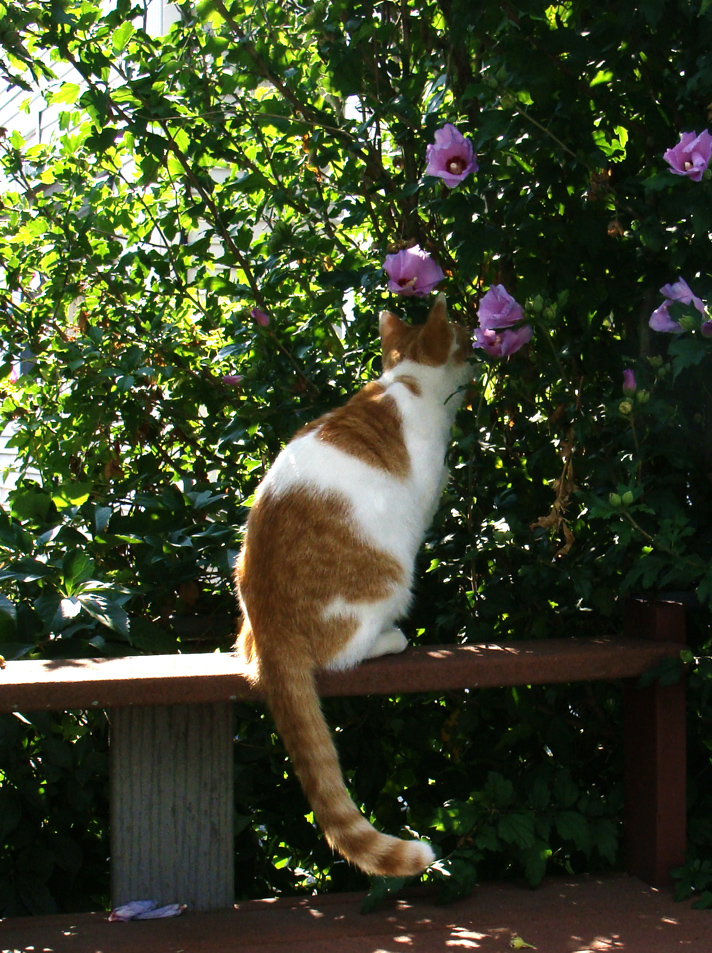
269, 156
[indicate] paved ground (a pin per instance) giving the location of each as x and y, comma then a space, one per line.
588, 915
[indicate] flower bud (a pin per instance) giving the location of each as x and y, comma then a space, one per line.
627, 498
614, 499
642, 396
537, 304
625, 407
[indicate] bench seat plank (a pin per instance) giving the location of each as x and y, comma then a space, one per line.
32, 685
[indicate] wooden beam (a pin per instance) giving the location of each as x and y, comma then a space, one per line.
172, 805
655, 732
32, 685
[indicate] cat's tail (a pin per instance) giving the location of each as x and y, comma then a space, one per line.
296, 709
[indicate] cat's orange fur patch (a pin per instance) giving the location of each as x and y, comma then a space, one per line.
411, 383
367, 427
301, 551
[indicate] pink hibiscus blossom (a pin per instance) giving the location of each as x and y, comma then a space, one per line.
498, 309
498, 312
691, 155
451, 157
412, 272
679, 290
502, 343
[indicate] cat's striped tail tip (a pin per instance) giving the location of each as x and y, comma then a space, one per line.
406, 858
424, 855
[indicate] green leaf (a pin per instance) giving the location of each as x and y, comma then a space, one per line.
455, 876
517, 829
77, 567
27, 570
8, 617
71, 494
382, 888
687, 352
486, 838
121, 36
455, 817
572, 826
564, 791
106, 612
535, 860
604, 834
540, 795
31, 504
704, 901
68, 93
498, 790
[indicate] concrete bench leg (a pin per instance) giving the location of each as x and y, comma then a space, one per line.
172, 805
655, 735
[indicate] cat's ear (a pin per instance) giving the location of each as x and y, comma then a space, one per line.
392, 336
438, 312
389, 324
436, 336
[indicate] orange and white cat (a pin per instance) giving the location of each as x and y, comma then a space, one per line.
327, 563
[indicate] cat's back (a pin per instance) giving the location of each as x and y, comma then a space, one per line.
383, 453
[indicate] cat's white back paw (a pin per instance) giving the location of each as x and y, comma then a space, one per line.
389, 642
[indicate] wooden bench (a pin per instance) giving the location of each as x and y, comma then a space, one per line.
171, 740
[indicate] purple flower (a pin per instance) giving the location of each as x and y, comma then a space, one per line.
232, 379
691, 155
660, 320
629, 384
679, 290
260, 317
497, 312
451, 157
412, 272
502, 343
707, 329
498, 309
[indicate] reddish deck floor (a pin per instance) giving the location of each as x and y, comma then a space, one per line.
588, 915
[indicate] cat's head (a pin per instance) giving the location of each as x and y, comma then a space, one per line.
437, 343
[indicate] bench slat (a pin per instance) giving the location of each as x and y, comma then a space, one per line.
32, 685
